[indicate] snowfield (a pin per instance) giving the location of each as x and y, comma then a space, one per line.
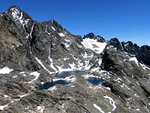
5, 70
92, 44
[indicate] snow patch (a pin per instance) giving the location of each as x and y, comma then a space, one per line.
124, 86
14, 76
51, 60
126, 44
21, 96
144, 66
2, 107
6, 96
5, 70
100, 62
53, 88
98, 108
1, 14
47, 31
72, 65
22, 73
68, 79
42, 65
137, 109
108, 88
112, 102
118, 80
67, 45
136, 95
30, 32
92, 44
134, 59
127, 79
66, 59
40, 108
61, 34
67, 40
88, 76
63, 105
137, 83
53, 28
36, 74
60, 69
97, 68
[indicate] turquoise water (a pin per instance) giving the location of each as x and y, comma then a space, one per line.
59, 75
51, 84
94, 80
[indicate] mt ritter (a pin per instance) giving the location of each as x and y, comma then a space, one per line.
46, 69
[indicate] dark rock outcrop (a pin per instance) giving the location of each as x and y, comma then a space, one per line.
92, 36
142, 53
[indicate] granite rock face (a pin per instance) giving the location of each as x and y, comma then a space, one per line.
46, 69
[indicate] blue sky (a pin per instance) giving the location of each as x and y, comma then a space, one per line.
124, 19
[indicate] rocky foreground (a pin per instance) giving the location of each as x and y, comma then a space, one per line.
46, 69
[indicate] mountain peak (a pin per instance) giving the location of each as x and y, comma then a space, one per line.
17, 15
15, 12
92, 36
14, 7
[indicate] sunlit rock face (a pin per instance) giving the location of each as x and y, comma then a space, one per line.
46, 69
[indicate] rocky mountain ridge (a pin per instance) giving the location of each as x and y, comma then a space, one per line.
46, 69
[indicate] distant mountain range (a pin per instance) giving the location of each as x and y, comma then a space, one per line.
46, 69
